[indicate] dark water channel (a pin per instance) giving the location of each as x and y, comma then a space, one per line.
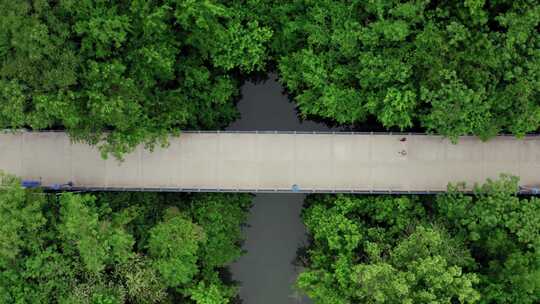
275, 230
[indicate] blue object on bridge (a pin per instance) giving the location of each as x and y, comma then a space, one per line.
60, 186
55, 186
295, 188
30, 183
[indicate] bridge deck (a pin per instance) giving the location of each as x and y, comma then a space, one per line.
224, 161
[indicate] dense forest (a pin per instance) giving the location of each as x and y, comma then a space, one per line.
124, 72
114, 248
119, 73
452, 248
451, 67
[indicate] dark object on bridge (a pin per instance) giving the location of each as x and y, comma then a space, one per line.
60, 186
403, 139
530, 189
295, 188
31, 183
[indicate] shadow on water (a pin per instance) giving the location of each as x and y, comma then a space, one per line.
275, 232
264, 106
267, 272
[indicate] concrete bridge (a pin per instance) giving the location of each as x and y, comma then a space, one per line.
275, 162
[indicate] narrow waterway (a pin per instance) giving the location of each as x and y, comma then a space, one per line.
264, 107
275, 231
266, 273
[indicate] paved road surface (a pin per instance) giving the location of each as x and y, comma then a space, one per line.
276, 161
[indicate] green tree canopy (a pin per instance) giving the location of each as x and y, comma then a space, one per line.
120, 73
503, 232
453, 248
452, 67
113, 248
380, 250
